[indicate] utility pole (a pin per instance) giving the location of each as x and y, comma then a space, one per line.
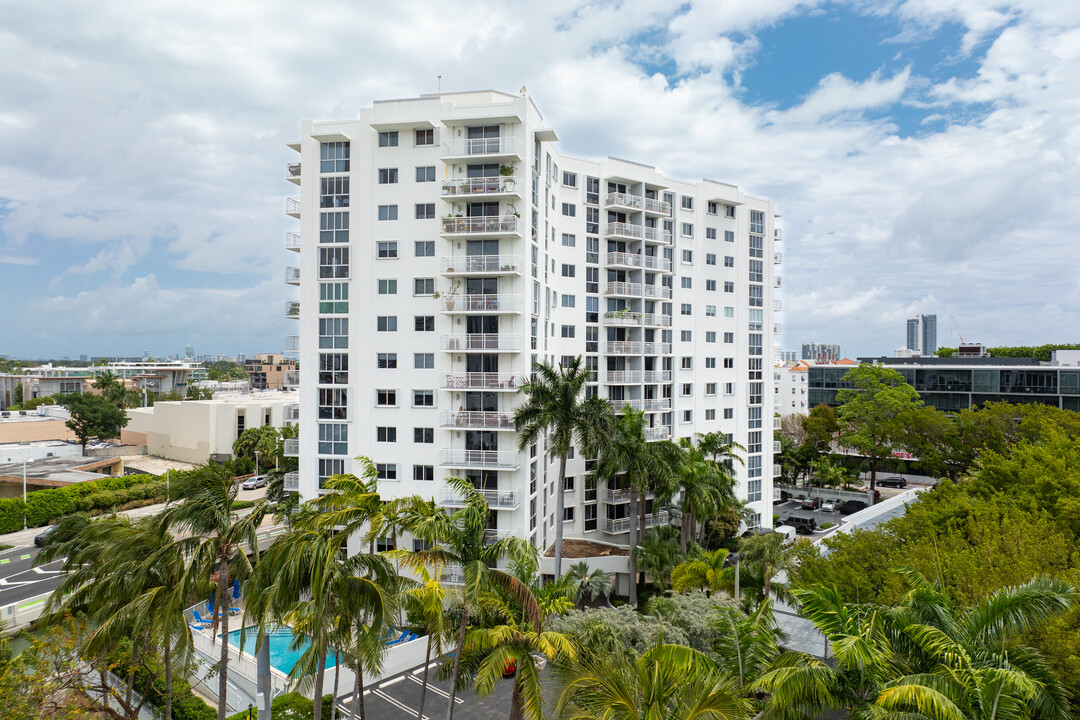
24, 493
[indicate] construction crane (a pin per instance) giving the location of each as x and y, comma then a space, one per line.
962, 341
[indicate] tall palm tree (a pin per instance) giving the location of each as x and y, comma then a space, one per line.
554, 405
747, 642
768, 555
721, 449
427, 602
666, 682
705, 487
461, 538
217, 540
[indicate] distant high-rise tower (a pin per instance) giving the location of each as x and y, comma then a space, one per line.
189, 351
820, 352
922, 334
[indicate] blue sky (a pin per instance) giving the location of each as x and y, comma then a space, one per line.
922, 153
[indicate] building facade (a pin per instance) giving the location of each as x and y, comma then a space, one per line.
820, 352
444, 245
922, 335
273, 371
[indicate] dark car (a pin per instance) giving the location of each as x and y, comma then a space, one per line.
810, 503
851, 506
893, 482
803, 526
43, 537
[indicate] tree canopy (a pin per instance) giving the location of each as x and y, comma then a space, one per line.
93, 416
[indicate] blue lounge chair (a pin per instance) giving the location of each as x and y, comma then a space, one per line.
412, 636
201, 619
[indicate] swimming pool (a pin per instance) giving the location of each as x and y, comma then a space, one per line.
282, 657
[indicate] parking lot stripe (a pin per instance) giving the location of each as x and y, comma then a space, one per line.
398, 704
437, 691
396, 680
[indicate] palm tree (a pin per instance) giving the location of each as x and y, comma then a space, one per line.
658, 555
704, 572
721, 449
666, 682
461, 539
517, 643
706, 487
768, 555
554, 406
586, 584
747, 642
217, 540
427, 602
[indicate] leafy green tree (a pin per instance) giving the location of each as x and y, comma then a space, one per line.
17, 394
555, 407
264, 439
93, 416
820, 426
587, 585
872, 412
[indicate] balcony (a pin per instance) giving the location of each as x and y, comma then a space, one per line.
657, 291
292, 481
508, 342
482, 381
624, 200
655, 320
655, 348
622, 377
292, 447
292, 241
776, 281
656, 405
776, 471
292, 275
292, 172
623, 289
660, 432
464, 459
292, 207
483, 225
494, 534
452, 574
625, 230
777, 305
653, 262
616, 496
777, 329
292, 309
776, 447
476, 420
291, 379
621, 317
508, 147
653, 234
482, 304
656, 376
632, 260
487, 186
292, 412
482, 264
292, 343
496, 499
777, 258
618, 526
777, 234
776, 423
657, 207
622, 347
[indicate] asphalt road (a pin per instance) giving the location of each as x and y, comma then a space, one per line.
19, 579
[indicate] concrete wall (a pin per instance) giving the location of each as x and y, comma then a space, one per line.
13, 431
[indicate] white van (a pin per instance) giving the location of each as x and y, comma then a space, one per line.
788, 532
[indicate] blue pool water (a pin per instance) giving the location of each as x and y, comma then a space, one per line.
282, 656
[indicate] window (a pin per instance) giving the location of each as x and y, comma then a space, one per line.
592, 250
387, 176
729, 287
687, 389
388, 212
424, 137
710, 233
756, 296
592, 220
592, 190
710, 414
334, 157
334, 192
425, 248
756, 270
685, 336
711, 285
568, 270
423, 398
569, 240
386, 361
424, 436
423, 286
729, 363
687, 202
386, 249
386, 471
388, 139
569, 209
729, 261
333, 369
729, 337
729, 211
425, 173
592, 280
686, 283
686, 229
686, 309
710, 363
425, 211
729, 236
688, 256
386, 434
729, 388
710, 388
569, 179
424, 473
568, 514
424, 361
568, 331
729, 413
710, 337
710, 310
386, 398
333, 333
334, 262
568, 301
333, 404
424, 323
711, 208
710, 258
686, 363
568, 486
756, 245
729, 311
328, 468
333, 297
386, 323
757, 222
334, 227
687, 416
333, 439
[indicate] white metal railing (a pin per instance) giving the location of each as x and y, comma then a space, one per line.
292, 206
482, 303
652, 233
657, 291
619, 377
622, 347
624, 200
482, 381
498, 499
292, 481
493, 534
657, 206
292, 447
624, 229
777, 329
482, 146
656, 404
657, 376
453, 574
655, 348
615, 526
660, 432
482, 263
776, 281
292, 241
292, 343
778, 234
479, 185
480, 225
292, 412
291, 379
619, 317
292, 171
777, 258
292, 308
777, 305
292, 275
481, 341
654, 262
634, 403
479, 458
476, 419
616, 495
776, 446
622, 288
776, 423
622, 258
776, 471
658, 320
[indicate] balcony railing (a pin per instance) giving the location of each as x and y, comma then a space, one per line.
292, 481
496, 499
657, 206
622, 318
652, 405
292, 206
776, 423
615, 496
476, 419
623, 288
776, 470
777, 258
292, 241
622, 347
493, 534
660, 432
652, 262
483, 225
292, 309
452, 575
777, 329
464, 264
292, 172
657, 291
657, 376
498, 185
292, 275
482, 303
622, 258
655, 348
292, 447
622, 377
617, 526
624, 200
292, 343
482, 381
776, 447
777, 234
292, 412
624, 230
657, 320
481, 341
776, 281
291, 379
456, 458
482, 146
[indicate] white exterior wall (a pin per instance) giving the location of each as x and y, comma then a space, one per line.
791, 391
450, 115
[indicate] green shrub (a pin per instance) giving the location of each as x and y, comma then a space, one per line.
826, 526
291, 706
243, 504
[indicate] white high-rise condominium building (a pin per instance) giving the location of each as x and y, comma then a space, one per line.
444, 245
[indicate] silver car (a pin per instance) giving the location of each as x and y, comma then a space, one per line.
830, 506
255, 481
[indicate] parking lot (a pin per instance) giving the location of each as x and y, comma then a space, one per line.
398, 698
791, 508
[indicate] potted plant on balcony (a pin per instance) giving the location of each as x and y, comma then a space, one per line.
449, 295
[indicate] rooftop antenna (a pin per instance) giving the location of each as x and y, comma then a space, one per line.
440, 84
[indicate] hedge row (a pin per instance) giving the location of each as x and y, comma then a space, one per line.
292, 706
44, 506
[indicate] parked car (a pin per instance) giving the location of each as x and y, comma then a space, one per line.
803, 526
255, 481
895, 482
810, 503
788, 532
43, 537
851, 506
830, 506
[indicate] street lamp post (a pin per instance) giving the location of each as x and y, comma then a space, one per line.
24, 493
256, 462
